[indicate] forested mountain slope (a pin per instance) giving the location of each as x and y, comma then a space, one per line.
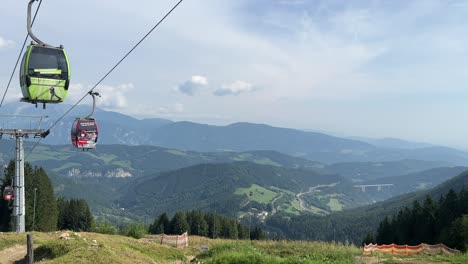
352, 225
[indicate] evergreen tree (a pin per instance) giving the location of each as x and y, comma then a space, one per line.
161, 225
197, 223
449, 209
6, 207
40, 205
74, 215
385, 235
458, 234
243, 231
368, 239
229, 228
427, 227
179, 223
214, 225
257, 234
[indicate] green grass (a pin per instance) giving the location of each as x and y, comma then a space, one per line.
120, 249
292, 208
109, 249
257, 193
107, 157
282, 190
9, 239
296, 204
335, 205
271, 252
67, 165
419, 259
423, 185
38, 155
176, 152
267, 161
122, 163
242, 157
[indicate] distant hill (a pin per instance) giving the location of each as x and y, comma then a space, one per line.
234, 188
368, 171
120, 161
417, 181
354, 224
393, 143
117, 128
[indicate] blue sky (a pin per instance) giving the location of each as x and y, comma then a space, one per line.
367, 68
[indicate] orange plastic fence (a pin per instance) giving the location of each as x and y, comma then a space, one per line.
409, 250
175, 241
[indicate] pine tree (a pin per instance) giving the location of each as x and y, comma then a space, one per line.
41, 207
243, 231
179, 223
40, 204
161, 225
458, 234
74, 215
368, 239
385, 235
214, 225
426, 232
197, 223
229, 228
6, 209
257, 234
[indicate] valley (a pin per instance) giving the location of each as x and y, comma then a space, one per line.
125, 183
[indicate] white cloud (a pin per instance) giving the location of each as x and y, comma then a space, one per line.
5, 43
111, 97
234, 88
192, 86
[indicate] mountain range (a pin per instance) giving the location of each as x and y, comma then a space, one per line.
142, 168
117, 128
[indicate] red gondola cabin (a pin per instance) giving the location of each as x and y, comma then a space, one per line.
8, 194
84, 133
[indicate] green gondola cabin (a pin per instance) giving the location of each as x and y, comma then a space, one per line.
44, 74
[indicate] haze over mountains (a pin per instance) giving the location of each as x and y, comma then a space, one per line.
117, 128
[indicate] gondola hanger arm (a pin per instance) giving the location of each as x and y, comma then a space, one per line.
40, 42
93, 94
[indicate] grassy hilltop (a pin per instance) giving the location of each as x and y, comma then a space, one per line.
119, 249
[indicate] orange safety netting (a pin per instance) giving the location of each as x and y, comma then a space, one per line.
176, 241
408, 250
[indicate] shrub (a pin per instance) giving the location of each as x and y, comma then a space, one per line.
105, 227
136, 230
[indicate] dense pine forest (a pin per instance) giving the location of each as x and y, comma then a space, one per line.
43, 211
205, 224
443, 221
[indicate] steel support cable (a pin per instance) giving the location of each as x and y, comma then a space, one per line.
19, 55
109, 72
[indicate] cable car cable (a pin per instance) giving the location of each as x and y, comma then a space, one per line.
21, 52
109, 72
115, 66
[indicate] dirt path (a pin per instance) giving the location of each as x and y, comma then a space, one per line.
13, 254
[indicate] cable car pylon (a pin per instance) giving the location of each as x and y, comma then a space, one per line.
19, 211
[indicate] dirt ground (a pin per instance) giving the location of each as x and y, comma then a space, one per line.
13, 254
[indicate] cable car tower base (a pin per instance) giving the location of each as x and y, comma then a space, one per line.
18, 183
